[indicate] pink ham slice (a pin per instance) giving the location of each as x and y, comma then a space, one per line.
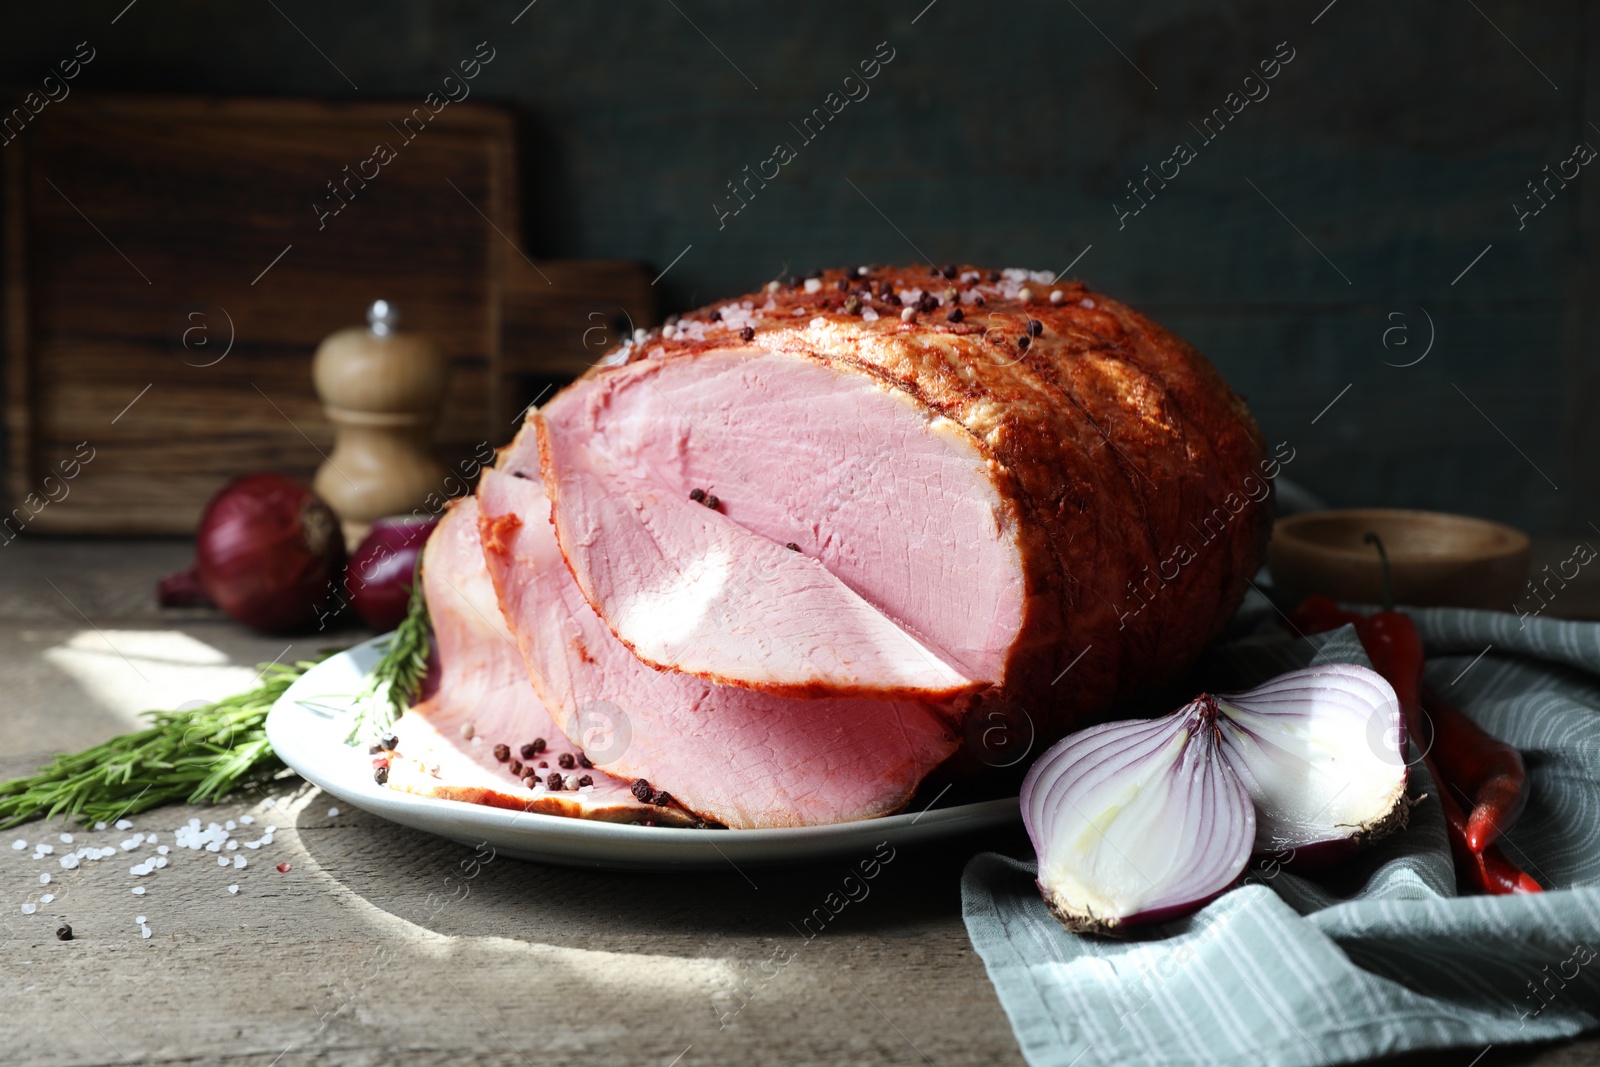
483, 684
742, 757
905, 580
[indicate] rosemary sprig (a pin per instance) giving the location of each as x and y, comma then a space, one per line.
397, 678
195, 756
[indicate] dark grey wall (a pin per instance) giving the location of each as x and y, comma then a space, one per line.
1387, 157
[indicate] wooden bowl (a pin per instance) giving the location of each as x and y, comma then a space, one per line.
1437, 559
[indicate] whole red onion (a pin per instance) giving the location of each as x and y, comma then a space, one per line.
269, 553
384, 567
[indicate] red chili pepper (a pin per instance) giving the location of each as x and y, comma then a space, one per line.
1486, 769
1393, 645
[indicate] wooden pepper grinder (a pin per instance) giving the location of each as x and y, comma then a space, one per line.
382, 391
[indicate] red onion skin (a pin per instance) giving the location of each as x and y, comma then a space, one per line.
382, 569
269, 553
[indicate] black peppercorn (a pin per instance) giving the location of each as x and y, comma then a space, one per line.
747, 333
567, 762
661, 798
1035, 327
697, 495
516, 768
585, 780
956, 315
584, 761
712, 502
502, 752
642, 790
64, 932
555, 782
381, 775
792, 547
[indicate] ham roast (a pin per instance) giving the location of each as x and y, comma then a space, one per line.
800, 542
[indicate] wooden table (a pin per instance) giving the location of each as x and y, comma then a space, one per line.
379, 946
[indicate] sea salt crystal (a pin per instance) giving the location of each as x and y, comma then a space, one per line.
246, 820
43, 850
239, 861
66, 839
271, 827
29, 909
68, 862
233, 889
818, 323
222, 861
868, 315
138, 870
44, 879
162, 850
813, 285
215, 846
130, 844
99, 826
123, 824
149, 839
252, 844
107, 852
139, 920
144, 931
47, 898
138, 890
333, 813
230, 825
19, 844
232, 845
159, 861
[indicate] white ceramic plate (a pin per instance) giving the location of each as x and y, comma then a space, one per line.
308, 724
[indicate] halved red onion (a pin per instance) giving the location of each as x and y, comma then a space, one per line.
1322, 753
1135, 822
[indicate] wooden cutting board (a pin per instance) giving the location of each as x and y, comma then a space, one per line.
171, 264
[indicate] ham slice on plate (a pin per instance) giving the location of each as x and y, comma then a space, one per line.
484, 685
717, 593
741, 757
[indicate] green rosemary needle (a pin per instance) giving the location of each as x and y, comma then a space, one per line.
195, 756
397, 678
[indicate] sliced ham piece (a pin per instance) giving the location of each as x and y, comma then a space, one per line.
1043, 490
483, 685
688, 588
739, 756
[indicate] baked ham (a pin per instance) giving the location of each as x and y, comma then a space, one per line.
804, 538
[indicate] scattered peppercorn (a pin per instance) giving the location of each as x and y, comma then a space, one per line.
284, 867
747, 333
927, 302
381, 776
516, 768
502, 752
64, 932
1024, 341
890, 297
566, 761
531, 780
852, 305
555, 782
844, 285
391, 742
642, 790
374, 750
1035, 327
528, 751
956, 315
994, 276
792, 547
661, 798
543, 763
712, 502
585, 780
584, 761
697, 495
715, 316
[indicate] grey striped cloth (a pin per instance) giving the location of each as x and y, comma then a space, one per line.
1377, 958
